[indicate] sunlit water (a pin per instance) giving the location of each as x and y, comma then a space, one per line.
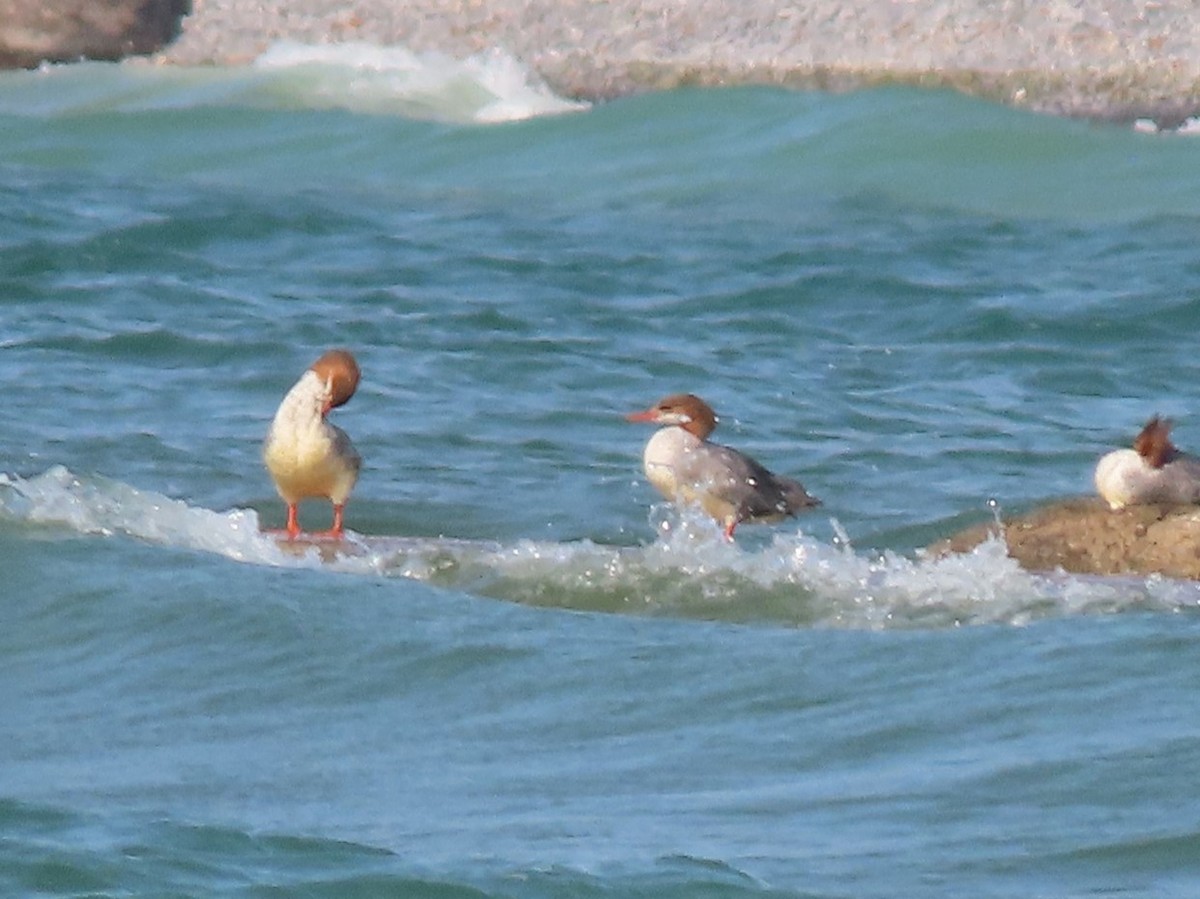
523, 674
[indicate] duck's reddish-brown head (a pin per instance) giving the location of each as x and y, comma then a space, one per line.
338, 370
1154, 442
686, 410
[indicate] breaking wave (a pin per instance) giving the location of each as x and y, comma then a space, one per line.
489, 87
689, 571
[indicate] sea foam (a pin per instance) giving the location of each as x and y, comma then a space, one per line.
61, 499
487, 87
688, 571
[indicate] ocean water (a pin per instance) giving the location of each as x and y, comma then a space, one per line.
524, 675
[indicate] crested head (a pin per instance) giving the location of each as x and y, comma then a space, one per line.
685, 410
339, 372
1154, 442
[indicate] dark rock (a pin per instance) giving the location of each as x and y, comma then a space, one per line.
1085, 536
37, 31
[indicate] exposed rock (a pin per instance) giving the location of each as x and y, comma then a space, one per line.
1084, 536
37, 31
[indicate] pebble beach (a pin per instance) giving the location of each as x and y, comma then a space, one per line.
1109, 60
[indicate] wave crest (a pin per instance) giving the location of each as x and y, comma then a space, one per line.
488, 87
690, 571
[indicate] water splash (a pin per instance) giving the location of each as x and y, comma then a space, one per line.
105, 507
689, 571
487, 87
1189, 126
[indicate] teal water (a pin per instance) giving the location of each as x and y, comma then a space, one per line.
547, 683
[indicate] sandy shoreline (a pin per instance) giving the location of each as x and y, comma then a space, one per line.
1116, 59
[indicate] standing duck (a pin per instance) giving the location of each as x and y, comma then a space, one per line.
685, 467
308, 457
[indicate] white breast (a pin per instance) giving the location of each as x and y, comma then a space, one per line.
1124, 478
664, 458
306, 455
1118, 475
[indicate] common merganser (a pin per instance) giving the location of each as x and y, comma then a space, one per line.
1154, 471
306, 455
730, 486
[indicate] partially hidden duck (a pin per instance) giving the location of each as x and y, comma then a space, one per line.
684, 466
1154, 471
308, 457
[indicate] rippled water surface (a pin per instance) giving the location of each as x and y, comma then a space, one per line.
524, 675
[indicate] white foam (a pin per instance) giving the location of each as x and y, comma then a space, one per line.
488, 87
1189, 126
690, 570
104, 507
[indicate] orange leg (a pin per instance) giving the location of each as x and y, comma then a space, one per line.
293, 521
729, 528
338, 512
336, 532
292, 529
293, 526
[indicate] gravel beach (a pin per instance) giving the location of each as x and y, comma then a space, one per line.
1109, 59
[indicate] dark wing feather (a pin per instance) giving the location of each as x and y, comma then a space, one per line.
751, 489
